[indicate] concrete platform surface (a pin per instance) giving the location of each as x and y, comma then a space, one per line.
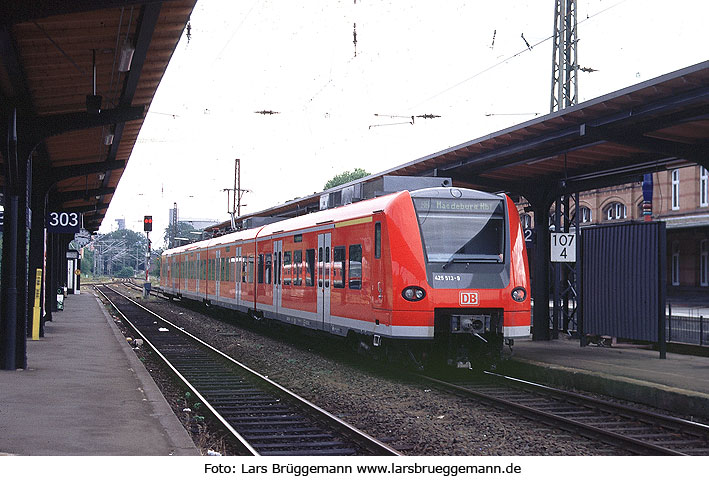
86, 393
679, 383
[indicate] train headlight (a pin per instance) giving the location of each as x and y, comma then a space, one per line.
413, 293
519, 294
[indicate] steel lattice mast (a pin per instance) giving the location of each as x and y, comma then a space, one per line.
564, 72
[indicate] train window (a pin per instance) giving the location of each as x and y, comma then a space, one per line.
310, 267
297, 265
260, 268
268, 268
462, 230
338, 270
377, 240
233, 269
250, 269
327, 267
286, 269
320, 266
355, 279
298, 238
277, 268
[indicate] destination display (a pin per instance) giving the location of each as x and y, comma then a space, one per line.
450, 205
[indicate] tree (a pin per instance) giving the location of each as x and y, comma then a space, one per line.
346, 177
126, 271
183, 231
108, 254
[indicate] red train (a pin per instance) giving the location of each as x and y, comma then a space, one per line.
430, 275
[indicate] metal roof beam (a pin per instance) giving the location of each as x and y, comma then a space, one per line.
87, 208
82, 195
587, 134
51, 125
146, 26
68, 172
695, 153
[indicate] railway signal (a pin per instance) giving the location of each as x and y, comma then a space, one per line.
147, 223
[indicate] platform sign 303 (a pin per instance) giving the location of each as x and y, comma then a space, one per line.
563, 247
63, 222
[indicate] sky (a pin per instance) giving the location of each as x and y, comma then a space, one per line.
465, 61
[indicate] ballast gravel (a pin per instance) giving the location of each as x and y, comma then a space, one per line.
409, 417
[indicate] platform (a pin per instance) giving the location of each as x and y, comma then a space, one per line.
679, 383
85, 392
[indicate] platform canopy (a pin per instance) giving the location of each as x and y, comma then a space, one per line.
49, 52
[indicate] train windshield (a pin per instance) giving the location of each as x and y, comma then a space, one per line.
461, 230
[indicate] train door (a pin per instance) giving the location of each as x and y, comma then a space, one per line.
324, 279
379, 281
236, 272
217, 276
173, 259
277, 289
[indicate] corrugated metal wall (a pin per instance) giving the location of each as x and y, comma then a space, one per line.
623, 284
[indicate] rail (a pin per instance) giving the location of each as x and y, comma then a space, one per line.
263, 417
635, 430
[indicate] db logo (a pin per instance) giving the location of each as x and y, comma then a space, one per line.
468, 299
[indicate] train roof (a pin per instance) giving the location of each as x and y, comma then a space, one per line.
333, 215
325, 217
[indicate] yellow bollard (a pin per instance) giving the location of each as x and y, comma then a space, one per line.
37, 308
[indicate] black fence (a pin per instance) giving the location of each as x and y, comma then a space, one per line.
689, 329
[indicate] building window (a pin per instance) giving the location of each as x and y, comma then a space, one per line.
526, 220
615, 211
585, 215
704, 263
675, 189
675, 263
703, 186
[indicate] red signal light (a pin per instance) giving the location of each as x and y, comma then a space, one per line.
147, 223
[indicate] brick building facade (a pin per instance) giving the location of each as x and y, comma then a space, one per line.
681, 199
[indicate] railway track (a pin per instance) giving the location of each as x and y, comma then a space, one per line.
635, 430
262, 417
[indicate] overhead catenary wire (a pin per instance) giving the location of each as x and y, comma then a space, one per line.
410, 122
493, 66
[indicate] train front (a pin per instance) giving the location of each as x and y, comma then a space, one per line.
476, 271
